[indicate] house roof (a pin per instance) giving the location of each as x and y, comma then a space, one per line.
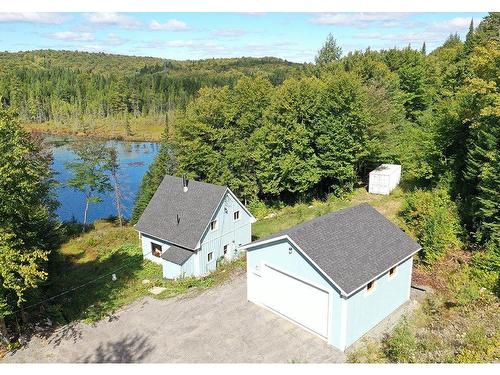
193, 209
176, 254
351, 246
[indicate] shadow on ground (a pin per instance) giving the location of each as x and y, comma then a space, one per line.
129, 348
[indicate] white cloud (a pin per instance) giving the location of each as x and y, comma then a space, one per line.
114, 40
453, 25
359, 19
229, 32
44, 18
73, 36
112, 19
170, 25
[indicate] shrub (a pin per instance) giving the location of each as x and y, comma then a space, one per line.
432, 218
401, 345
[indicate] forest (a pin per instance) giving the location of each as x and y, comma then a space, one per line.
276, 133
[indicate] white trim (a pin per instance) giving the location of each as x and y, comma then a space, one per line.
252, 218
342, 292
295, 276
343, 323
381, 273
164, 240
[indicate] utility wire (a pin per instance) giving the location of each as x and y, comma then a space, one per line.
74, 288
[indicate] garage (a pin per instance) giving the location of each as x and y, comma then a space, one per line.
336, 276
296, 300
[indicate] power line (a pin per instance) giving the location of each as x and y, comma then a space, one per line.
74, 288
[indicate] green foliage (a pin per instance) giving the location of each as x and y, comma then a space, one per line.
329, 52
89, 172
28, 230
431, 217
401, 345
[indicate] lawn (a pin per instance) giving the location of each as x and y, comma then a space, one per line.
91, 258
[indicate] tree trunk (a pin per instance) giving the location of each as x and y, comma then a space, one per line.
3, 331
85, 214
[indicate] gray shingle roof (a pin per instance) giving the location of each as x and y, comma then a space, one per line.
194, 207
352, 246
176, 254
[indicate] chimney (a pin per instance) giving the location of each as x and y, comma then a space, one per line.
184, 183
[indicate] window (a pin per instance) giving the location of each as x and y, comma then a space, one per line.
392, 272
213, 225
156, 249
210, 256
370, 286
225, 249
236, 215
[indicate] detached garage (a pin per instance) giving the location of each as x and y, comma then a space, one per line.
336, 276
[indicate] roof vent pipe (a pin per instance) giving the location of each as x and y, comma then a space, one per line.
184, 183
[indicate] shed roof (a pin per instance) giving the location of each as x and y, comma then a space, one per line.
351, 246
180, 217
176, 254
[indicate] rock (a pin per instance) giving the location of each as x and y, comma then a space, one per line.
270, 216
49, 322
156, 290
146, 281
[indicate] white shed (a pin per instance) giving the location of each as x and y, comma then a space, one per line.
384, 179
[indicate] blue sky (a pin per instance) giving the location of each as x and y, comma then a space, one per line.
292, 36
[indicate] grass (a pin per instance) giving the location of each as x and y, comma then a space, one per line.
104, 250
275, 220
147, 128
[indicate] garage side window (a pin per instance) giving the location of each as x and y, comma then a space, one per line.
210, 256
370, 287
392, 272
156, 249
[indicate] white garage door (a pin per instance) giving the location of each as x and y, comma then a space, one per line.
297, 300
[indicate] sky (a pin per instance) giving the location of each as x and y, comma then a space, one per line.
292, 36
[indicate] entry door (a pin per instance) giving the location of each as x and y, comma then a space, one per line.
295, 299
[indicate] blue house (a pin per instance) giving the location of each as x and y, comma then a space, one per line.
337, 276
189, 225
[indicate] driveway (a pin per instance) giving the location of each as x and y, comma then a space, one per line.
218, 325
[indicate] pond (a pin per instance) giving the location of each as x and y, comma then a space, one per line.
134, 159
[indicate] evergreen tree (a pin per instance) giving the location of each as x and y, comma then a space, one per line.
329, 53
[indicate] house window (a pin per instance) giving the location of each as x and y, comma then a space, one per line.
236, 215
213, 225
210, 256
155, 249
225, 249
370, 286
392, 272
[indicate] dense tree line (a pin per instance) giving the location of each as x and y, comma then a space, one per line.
67, 86
436, 114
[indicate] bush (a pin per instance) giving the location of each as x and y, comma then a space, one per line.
432, 218
401, 345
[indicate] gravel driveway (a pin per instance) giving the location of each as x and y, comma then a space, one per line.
218, 325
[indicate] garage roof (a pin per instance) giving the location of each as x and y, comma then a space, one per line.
351, 246
180, 217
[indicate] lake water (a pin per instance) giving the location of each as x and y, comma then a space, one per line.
134, 159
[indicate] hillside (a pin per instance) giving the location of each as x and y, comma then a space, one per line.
72, 92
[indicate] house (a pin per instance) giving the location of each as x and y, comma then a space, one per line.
189, 225
384, 179
337, 275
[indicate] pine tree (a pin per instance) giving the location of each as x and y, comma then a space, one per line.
330, 51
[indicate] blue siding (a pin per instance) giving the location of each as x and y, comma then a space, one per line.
365, 310
229, 232
277, 254
170, 270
